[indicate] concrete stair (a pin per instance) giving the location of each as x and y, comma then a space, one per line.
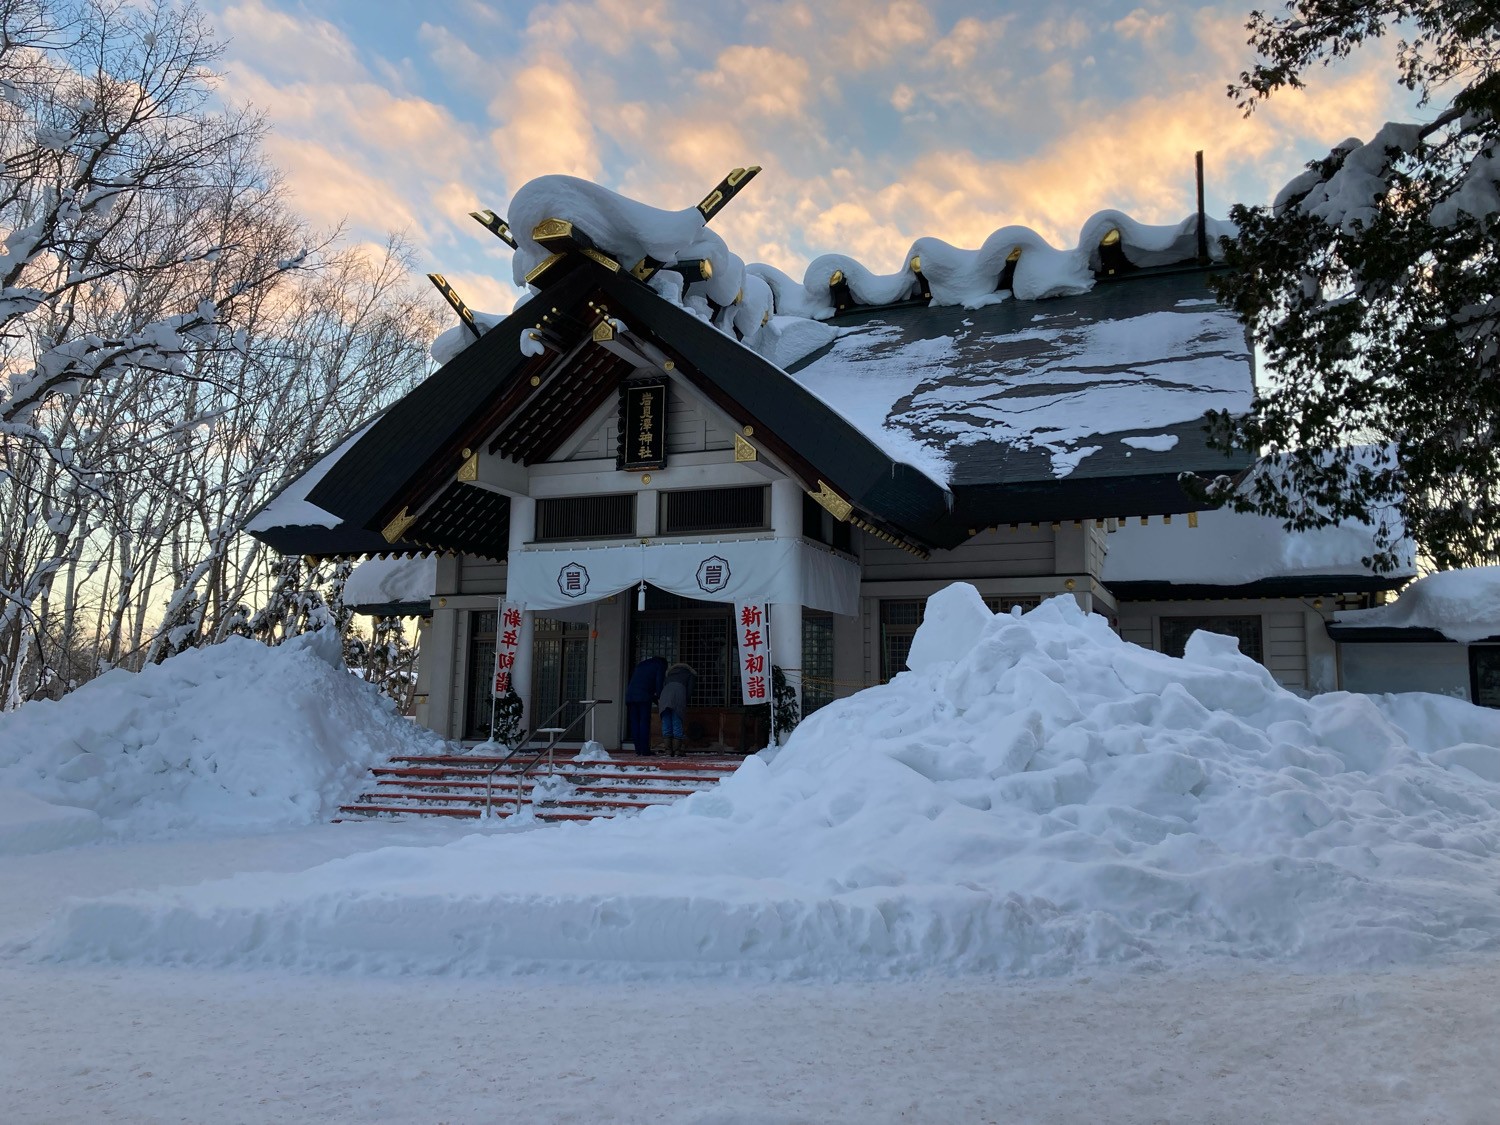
453, 785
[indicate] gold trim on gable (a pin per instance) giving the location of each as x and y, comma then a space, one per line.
604, 331
546, 264
469, 470
743, 450
832, 501
603, 259
398, 526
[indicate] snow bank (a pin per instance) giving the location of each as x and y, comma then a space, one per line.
237, 735
1035, 797
1462, 605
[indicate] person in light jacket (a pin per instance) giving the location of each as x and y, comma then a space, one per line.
675, 694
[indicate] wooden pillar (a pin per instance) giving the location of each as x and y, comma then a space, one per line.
786, 619
522, 523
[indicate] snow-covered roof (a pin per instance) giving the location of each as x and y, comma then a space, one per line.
391, 584
1111, 382
1462, 605
291, 508
1231, 549
936, 399
292, 524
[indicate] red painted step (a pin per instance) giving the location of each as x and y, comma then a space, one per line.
454, 785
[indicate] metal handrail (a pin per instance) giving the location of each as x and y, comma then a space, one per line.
546, 751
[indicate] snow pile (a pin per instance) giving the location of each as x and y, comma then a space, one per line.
236, 735
1036, 796
1462, 605
29, 824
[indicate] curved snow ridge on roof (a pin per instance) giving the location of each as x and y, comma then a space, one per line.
629, 231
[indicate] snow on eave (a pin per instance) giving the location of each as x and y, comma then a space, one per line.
1463, 605
290, 507
1233, 549
392, 581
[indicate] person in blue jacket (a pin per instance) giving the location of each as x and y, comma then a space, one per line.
642, 691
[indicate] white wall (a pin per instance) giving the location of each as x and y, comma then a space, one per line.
1441, 668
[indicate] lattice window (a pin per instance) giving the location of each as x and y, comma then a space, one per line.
562, 518
559, 670
898, 625
1175, 632
481, 673
817, 661
702, 641
1484, 674
714, 509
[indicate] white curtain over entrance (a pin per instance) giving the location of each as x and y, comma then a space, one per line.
784, 571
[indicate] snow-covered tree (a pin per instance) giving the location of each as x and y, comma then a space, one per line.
1373, 285
175, 344
386, 659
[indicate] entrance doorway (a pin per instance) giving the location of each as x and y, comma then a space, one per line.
559, 670
701, 634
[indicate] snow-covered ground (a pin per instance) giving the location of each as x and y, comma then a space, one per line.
1231, 1044
1045, 876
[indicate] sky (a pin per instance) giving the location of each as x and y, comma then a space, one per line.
875, 121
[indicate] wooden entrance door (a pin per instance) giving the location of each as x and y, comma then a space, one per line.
700, 634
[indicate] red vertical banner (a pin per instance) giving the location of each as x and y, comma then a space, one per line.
507, 644
753, 629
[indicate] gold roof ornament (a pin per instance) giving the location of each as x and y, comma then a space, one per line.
1014, 255
1111, 237
551, 230
455, 302
916, 263
743, 450
604, 331
836, 278
469, 470
603, 259
716, 200
495, 225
